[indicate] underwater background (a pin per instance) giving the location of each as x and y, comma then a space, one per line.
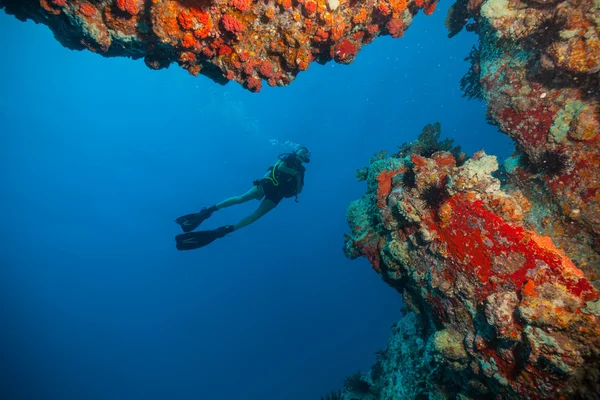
99, 156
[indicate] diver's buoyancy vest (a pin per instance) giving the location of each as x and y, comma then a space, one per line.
286, 183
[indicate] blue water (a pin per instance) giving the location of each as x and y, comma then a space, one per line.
97, 158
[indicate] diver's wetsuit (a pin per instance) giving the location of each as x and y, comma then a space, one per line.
280, 184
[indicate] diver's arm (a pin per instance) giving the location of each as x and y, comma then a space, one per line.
284, 168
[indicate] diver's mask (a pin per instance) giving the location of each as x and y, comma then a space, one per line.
303, 154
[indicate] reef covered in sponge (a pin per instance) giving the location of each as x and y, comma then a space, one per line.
496, 307
246, 41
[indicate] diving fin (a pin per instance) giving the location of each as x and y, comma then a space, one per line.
195, 240
191, 221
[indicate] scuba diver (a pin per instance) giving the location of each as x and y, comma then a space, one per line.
285, 179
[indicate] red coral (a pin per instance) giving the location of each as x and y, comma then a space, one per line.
224, 50
232, 24
266, 69
373, 29
60, 3
244, 56
208, 52
310, 6
253, 84
344, 51
396, 27
477, 239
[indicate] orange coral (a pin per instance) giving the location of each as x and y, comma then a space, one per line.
384, 185
338, 29
430, 8
398, 6
189, 40
445, 213
321, 35
130, 6
529, 289
87, 9
270, 13
241, 5
186, 19
310, 6
361, 17
303, 59
383, 8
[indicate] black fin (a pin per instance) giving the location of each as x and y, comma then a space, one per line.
195, 240
191, 221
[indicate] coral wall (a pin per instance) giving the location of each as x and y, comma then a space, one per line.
499, 265
247, 41
539, 73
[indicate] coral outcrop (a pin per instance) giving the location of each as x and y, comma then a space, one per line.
501, 304
247, 41
538, 70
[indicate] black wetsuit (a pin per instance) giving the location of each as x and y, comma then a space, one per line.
283, 184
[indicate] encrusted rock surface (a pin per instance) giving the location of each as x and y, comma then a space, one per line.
501, 310
538, 70
247, 41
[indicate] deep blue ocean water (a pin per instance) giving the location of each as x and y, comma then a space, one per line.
99, 156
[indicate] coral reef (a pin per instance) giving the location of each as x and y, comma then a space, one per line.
501, 297
247, 41
538, 70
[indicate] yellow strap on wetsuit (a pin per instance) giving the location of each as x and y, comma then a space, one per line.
272, 177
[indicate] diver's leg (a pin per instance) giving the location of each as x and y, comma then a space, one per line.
265, 206
255, 193
192, 221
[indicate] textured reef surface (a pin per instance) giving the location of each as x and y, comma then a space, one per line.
537, 68
247, 41
496, 306
498, 264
